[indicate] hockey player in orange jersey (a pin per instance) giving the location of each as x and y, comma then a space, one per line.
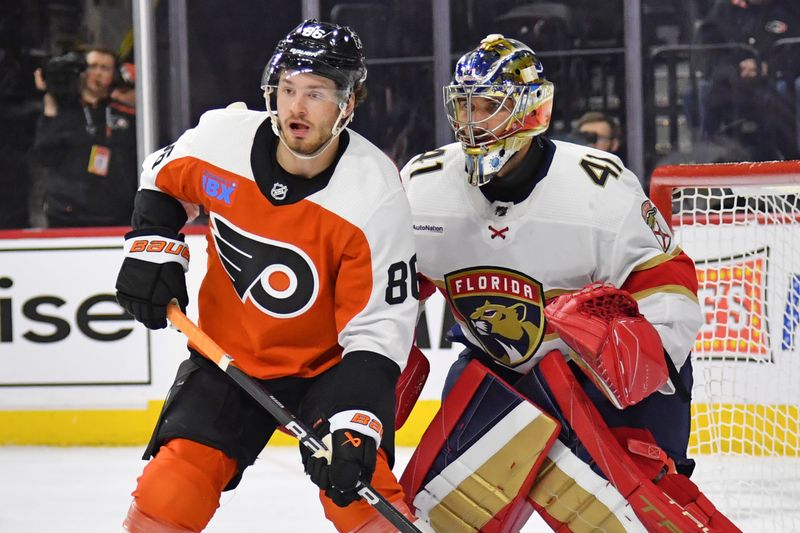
549, 252
311, 285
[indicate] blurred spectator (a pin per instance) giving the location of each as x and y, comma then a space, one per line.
737, 97
85, 142
18, 112
598, 130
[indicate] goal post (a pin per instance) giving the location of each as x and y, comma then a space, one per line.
740, 222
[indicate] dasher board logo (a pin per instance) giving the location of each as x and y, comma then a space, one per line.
732, 292
57, 333
503, 309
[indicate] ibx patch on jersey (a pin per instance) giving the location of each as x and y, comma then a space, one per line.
503, 309
277, 277
662, 233
218, 188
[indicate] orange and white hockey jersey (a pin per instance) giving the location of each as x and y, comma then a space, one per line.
300, 272
587, 220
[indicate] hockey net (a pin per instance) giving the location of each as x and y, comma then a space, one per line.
741, 225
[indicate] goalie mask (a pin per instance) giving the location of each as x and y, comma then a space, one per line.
498, 100
329, 50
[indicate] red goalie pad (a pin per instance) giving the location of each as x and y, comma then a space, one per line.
409, 385
617, 347
673, 502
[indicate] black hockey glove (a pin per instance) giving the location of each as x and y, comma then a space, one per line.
351, 458
152, 274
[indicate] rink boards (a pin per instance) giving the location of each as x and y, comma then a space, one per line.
76, 371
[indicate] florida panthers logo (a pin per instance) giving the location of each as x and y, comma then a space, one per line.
649, 214
278, 278
503, 310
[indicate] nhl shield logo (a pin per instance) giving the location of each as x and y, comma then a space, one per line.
279, 191
503, 309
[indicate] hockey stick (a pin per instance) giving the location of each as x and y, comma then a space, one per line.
212, 351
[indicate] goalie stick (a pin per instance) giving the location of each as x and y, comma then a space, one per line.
214, 352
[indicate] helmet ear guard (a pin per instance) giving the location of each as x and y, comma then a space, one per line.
508, 73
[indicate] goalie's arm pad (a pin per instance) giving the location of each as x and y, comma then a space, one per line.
426, 288
410, 384
615, 345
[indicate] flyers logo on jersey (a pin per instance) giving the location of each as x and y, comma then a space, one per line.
503, 309
278, 278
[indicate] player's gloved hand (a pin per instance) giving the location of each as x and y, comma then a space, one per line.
152, 274
350, 458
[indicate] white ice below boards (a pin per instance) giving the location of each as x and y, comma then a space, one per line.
87, 490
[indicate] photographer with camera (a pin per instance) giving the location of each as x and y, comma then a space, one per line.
85, 142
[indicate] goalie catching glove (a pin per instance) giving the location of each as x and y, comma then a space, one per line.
616, 346
152, 274
350, 457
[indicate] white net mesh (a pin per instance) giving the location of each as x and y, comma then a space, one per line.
745, 241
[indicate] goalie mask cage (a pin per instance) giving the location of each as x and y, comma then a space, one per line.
741, 225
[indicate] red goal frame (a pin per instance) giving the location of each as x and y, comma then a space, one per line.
719, 175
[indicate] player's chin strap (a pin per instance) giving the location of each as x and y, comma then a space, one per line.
341, 123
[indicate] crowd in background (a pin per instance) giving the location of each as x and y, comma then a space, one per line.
720, 78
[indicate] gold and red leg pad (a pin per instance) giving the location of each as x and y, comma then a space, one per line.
672, 503
179, 488
477, 460
570, 496
360, 516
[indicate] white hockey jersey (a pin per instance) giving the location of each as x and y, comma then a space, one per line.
293, 283
498, 264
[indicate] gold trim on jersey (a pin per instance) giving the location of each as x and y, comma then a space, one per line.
666, 289
658, 260
555, 293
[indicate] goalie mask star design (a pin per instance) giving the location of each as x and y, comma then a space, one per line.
278, 278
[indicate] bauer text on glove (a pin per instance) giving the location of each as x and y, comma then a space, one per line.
152, 274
